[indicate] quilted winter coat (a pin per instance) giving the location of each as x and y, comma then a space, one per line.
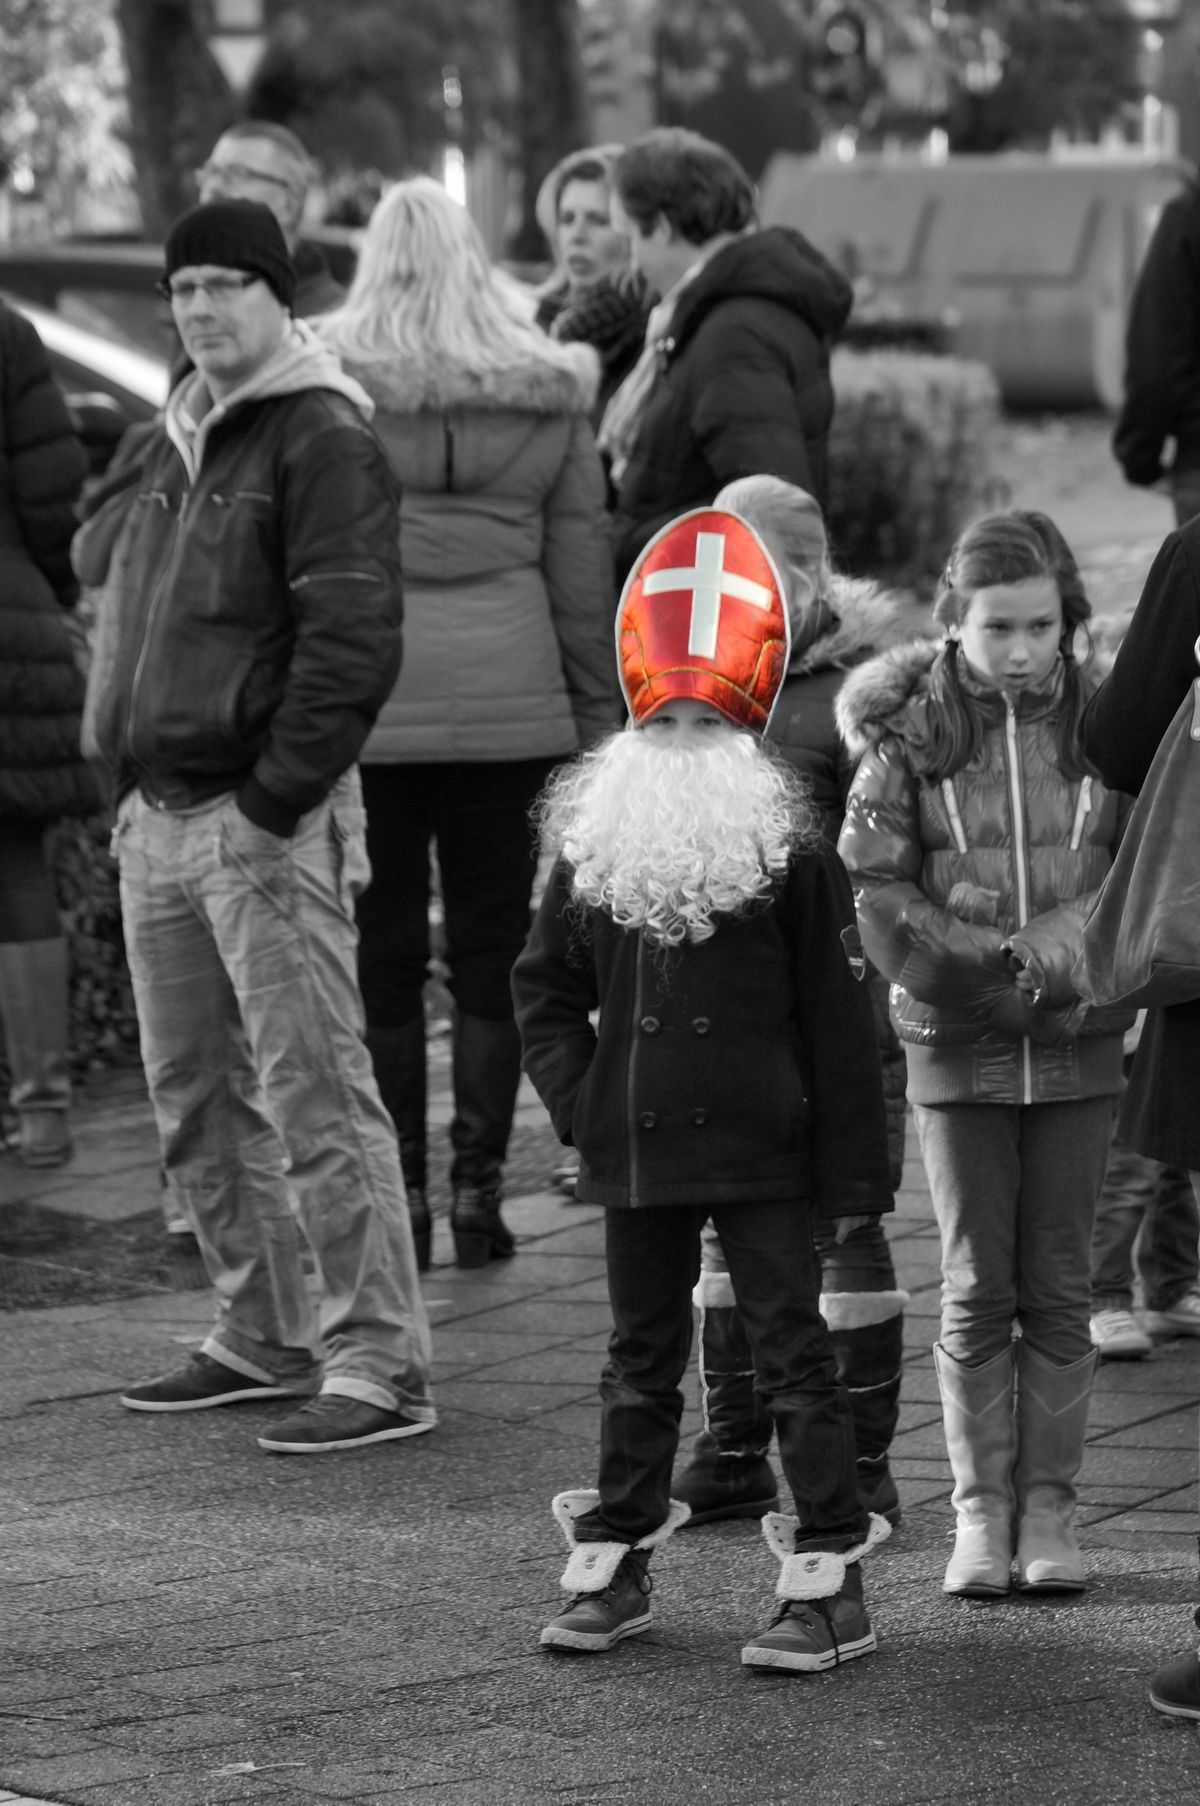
946, 875
861, 620
509, 595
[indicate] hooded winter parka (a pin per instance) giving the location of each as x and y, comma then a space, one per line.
945, 877
857, 619
509, 594
739, 1069
744, 385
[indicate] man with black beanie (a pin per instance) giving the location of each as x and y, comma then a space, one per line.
257, 635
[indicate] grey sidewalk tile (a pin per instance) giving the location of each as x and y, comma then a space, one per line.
1170, 1430
1163, 1469
561, 1313
509, 1400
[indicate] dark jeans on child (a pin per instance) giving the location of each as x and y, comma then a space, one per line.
653, 1263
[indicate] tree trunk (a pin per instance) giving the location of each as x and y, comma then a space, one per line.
551, 105
178, 102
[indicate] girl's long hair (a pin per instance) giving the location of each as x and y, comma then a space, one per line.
1009, 547
426, 290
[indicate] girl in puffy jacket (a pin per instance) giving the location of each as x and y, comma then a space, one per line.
976, 837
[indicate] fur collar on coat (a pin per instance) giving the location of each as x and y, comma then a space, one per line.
552, 379
863, 617
878, 697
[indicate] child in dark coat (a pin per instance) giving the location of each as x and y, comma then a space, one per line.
732, 1075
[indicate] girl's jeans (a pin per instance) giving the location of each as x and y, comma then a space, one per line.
241, 948
1014, 1190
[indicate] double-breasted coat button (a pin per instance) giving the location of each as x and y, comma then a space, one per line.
650, 1025
699, 1117
701, 1025
647, 1120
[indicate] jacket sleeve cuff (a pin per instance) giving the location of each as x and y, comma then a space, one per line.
267, 811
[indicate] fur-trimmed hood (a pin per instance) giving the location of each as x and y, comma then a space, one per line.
878, 697
888, 695
865, 618
554, 379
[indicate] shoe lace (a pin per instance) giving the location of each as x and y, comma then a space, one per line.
811, 1610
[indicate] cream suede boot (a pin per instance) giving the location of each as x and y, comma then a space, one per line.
1052, 1413
977, 1410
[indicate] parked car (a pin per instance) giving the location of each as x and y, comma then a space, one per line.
108, 284
108, 387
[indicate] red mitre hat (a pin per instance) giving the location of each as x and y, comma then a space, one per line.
702, 615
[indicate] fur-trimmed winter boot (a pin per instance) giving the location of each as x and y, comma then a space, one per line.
822, 1619
728, 1475
1052, 1414
977, 1411
867, 1332
608, 1582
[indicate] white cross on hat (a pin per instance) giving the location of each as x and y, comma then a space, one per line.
708, 581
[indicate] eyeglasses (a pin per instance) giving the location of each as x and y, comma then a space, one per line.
219, 289
237, 172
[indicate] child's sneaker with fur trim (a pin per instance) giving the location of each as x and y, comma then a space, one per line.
595, 1621
811, 1634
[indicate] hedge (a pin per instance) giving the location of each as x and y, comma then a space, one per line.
908, 465
908, 460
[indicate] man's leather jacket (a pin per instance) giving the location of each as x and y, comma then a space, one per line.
251, 625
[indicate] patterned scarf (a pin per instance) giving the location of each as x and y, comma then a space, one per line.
623, 415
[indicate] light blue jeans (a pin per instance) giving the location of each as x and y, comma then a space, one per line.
242, 950
1014, 1190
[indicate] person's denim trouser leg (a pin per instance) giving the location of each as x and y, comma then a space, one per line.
1168, 1251
1121, 1209
1146, 1218
653, 1261
241, 948
1014, 1190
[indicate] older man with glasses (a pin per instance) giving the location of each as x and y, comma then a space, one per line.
257, 160
258, 634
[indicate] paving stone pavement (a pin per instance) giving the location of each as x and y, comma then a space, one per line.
187, 1621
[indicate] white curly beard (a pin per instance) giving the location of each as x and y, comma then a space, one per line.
665, 838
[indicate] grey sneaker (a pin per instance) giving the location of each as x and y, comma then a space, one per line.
1118, 1336
200, 1384
331, 1421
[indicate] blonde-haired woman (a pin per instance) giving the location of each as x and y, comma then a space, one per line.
507, 667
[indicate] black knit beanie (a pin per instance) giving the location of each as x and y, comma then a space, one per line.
236, 235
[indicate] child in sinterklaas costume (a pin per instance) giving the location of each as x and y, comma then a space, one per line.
732, 1075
